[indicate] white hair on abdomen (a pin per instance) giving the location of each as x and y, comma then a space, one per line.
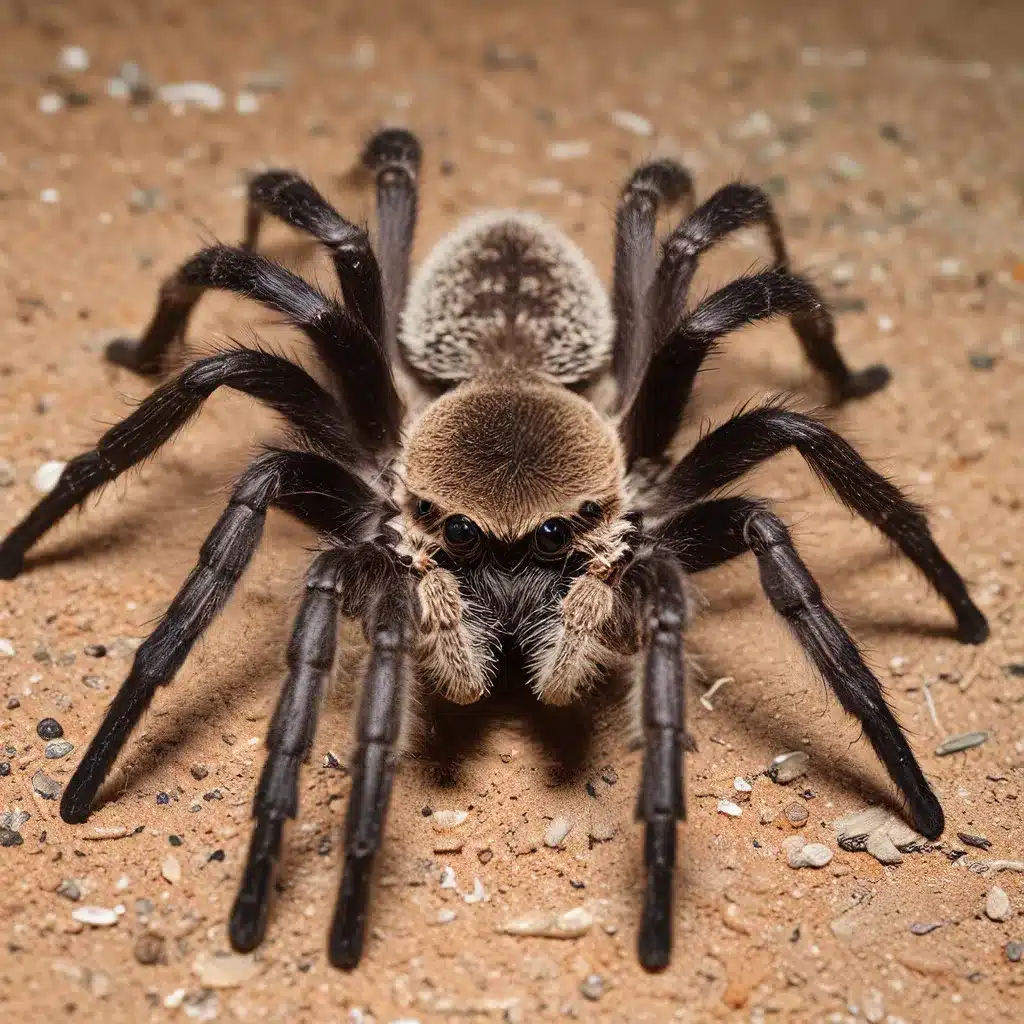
507, 288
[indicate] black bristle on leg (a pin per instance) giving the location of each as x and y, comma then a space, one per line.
795, 595
662, 801
373, 765
311, 657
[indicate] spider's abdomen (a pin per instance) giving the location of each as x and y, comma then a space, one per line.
507, 289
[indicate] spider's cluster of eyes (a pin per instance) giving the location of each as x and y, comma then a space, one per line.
464, 540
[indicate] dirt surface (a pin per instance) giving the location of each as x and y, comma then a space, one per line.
890, 137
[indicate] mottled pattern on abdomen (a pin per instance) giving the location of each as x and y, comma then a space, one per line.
503, 289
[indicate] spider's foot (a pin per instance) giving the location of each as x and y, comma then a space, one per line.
668, 178
654, 943
76, 803
927, 814
248, 924
971, 625
12, 563
392, 146
348, 932
127, 352
864, 382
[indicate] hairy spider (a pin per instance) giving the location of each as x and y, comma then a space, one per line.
510, 513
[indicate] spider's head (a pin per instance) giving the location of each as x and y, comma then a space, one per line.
509, 457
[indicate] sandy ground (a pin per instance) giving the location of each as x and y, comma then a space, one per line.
890, 135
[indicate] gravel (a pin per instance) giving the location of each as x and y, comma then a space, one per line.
170, 868
924, 927
10, 837
98, 917
787, 767
58, 748
569, 924
728, 808
445, 821
997, 905
45, 478
198, 94
1015, 952
628, 121
225, 970
70, 889
965, 741
592, 987
73, 58
575, 149
5, 769
796, 814
883, 849
49, 729
855, 830
150, 948
7, 474
46, 787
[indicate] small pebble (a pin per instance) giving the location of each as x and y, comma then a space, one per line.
997, 905
46, 787
1015, 952
5, 769
163, 799
150, 948
924, 927
741, 785
199, 94
45, 478
199, 772
10, 837
574, 149
883, 849
7, 651
73, 58
570, 924
446, 916
49, 729
171, 869
842, 273
444, 821
447, 877
247, 102
225, 970
479, 893
630, 122
7, 474
556, 832
787, 767
70, 889
96, 650
14, 819
58, 748
50, 103
796, 814
728, 808
806, 855
106, 832
98, 917
965, 741
592, 987
846, 168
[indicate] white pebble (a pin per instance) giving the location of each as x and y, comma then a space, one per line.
727, 807
447, 877
443, 821
886, 323
247, 102
200, 94
630, 122
171, 869
49, 195
570, 924
950, 267
741, 785
758, 123
842, 273
174, 999
806, 855
225, 970
73, 58
557, 831
479, 893
574, 149
787, 767
445, 916
45, 478
997, 905
50, 103
98, 917
6, 648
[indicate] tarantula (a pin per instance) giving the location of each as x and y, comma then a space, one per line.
510, 514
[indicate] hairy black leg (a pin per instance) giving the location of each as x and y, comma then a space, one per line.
652, 415
750, 438
311, 655
708, 534
287, 196
649, 187
223, 558
662, 800
285, 387
731, 209
390, 626
795, 595
393, 156
358, 367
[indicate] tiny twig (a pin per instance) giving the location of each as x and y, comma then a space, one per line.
705, 699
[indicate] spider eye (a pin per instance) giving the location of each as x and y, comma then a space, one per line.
461, 534
422, 509
553, 537
590, 510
